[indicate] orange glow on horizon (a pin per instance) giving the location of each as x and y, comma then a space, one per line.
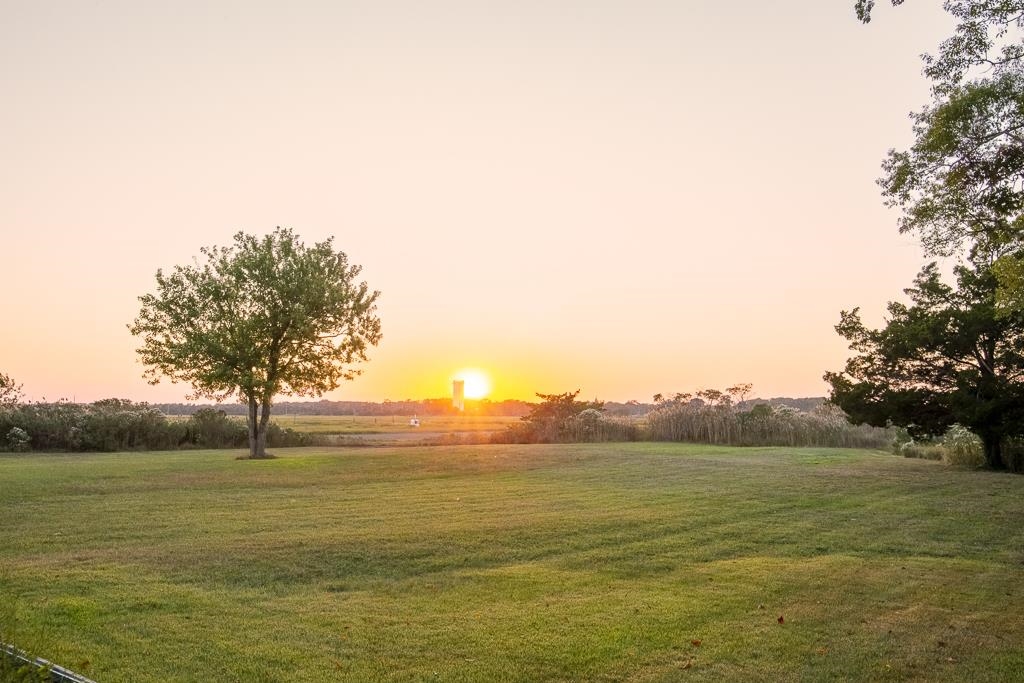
478, 384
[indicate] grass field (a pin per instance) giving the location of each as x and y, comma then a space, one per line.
644, 562
364, 424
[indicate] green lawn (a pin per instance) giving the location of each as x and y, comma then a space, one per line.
502, 563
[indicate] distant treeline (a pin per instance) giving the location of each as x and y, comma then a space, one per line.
708, 416
408, 407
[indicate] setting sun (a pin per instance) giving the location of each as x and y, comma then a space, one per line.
478, 384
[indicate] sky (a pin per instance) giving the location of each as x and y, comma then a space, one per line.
625, 198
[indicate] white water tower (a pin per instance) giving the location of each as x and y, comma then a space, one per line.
459, 394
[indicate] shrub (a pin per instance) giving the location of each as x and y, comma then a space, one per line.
1013, 454
115, 424
51, 426
901, 437
924, 450
560, 418
212, 428
286, 437
962, 448
18, 440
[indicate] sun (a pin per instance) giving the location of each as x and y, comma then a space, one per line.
478, 384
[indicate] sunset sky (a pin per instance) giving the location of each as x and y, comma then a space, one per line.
619, 197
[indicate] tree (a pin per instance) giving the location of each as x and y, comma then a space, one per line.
1009, 272
10, 392
960, 186
947, 358
984, 37
263, 317
551, 420
739, 392
955, 354
556, 408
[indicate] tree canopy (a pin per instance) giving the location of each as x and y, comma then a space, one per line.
559, 407
946, 358
960, 185
984, 36
262, 317
10, 391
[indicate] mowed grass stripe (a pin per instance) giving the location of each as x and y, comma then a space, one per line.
581, 562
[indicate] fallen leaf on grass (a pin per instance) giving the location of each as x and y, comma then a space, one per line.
695, 643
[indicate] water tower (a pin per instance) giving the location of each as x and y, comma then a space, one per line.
459, 394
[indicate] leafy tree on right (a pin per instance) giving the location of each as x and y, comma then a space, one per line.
10, 391
960, 185
954, 354
947, 358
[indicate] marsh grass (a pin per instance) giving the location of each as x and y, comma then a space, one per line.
482, 563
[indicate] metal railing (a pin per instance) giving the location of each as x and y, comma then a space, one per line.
58, 674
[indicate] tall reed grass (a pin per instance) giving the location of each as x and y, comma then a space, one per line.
722, 423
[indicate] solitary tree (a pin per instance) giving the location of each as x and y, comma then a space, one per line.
946, 358
263, 317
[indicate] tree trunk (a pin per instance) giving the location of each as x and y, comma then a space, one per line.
261, 433
253, 432
993, 447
